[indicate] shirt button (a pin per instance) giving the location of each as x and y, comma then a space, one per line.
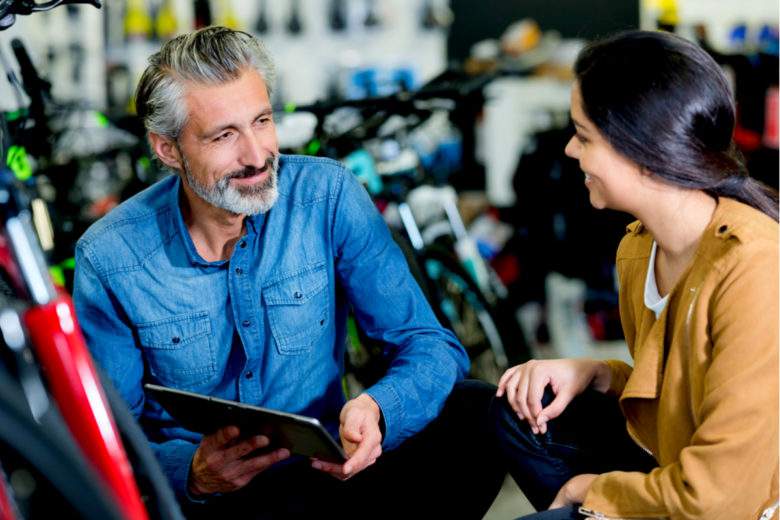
249, 375
242, 245
239, 270
246, 323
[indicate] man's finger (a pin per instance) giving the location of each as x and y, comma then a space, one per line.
262, 462
225, 435
350, 430
375, 455
360, 457
335, 470
246, 447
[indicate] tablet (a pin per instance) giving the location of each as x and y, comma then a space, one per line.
204, 414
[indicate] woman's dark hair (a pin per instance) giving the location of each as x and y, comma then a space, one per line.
665, 104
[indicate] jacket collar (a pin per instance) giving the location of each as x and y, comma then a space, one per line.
731, 220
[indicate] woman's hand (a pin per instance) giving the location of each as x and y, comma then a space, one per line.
524, 386
574, 491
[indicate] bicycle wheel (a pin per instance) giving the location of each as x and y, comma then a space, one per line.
45, 470
156, 492
491, 337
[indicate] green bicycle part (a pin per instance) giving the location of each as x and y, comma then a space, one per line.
18, 163
16, 114
313, 147
57, 275
102, 120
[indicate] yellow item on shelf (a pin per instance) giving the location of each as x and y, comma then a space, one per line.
668, 11
138, 23
165, 24
226, 15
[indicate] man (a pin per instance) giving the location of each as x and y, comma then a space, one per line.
234, 278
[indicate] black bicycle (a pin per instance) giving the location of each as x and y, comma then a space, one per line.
378, 139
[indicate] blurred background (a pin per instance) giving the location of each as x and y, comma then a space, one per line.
454, 113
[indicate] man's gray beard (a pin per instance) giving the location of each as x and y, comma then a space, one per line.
246, 200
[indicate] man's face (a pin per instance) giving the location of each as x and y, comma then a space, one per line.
228, 146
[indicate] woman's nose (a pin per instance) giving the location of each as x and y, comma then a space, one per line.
572, 148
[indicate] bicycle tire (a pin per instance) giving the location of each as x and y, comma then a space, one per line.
45, 452
156, 493
478, 324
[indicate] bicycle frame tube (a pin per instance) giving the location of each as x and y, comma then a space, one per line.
7, 509
62, 352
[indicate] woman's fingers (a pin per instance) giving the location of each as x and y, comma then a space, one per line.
554, 409
511, 390
521, 399
504, 378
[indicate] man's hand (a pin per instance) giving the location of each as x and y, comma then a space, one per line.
360, 436
224, 463
574, 491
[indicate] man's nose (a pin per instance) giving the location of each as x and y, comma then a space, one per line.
253, 153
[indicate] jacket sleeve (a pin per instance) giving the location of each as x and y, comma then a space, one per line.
621, 371
426, 359
110, 340
726, 471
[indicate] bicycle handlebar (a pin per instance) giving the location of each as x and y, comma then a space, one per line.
10, 8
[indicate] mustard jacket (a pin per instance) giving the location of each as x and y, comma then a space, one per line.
703, 394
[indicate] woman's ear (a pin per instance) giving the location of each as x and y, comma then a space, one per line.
166, 150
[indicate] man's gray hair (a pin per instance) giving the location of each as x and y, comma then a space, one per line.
212, 56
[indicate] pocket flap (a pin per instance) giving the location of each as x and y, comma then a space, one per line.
174, 332
296, 288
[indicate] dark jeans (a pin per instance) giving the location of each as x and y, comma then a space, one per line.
452, 468
588, 437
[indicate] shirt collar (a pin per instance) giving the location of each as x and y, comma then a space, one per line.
253, 224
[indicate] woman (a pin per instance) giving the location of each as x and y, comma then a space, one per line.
698, 276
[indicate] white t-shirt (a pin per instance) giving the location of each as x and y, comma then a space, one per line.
653, 300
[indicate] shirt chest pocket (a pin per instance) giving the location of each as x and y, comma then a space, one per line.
179, 350
298, 309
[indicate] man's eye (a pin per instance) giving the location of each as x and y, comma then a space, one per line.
223, 136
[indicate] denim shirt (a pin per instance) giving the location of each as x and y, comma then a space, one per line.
267, 326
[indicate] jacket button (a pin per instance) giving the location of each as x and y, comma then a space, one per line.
249, 375
239, 270
298, 295
242, 245
246, 323
176, 340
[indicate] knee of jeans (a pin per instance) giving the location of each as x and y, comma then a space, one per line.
501, 413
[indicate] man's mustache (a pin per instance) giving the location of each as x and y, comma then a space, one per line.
251, 171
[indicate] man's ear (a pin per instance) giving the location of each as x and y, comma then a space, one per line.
166, 150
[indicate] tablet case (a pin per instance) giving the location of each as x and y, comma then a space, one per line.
205, 414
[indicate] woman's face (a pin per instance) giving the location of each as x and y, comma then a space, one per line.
611, 178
